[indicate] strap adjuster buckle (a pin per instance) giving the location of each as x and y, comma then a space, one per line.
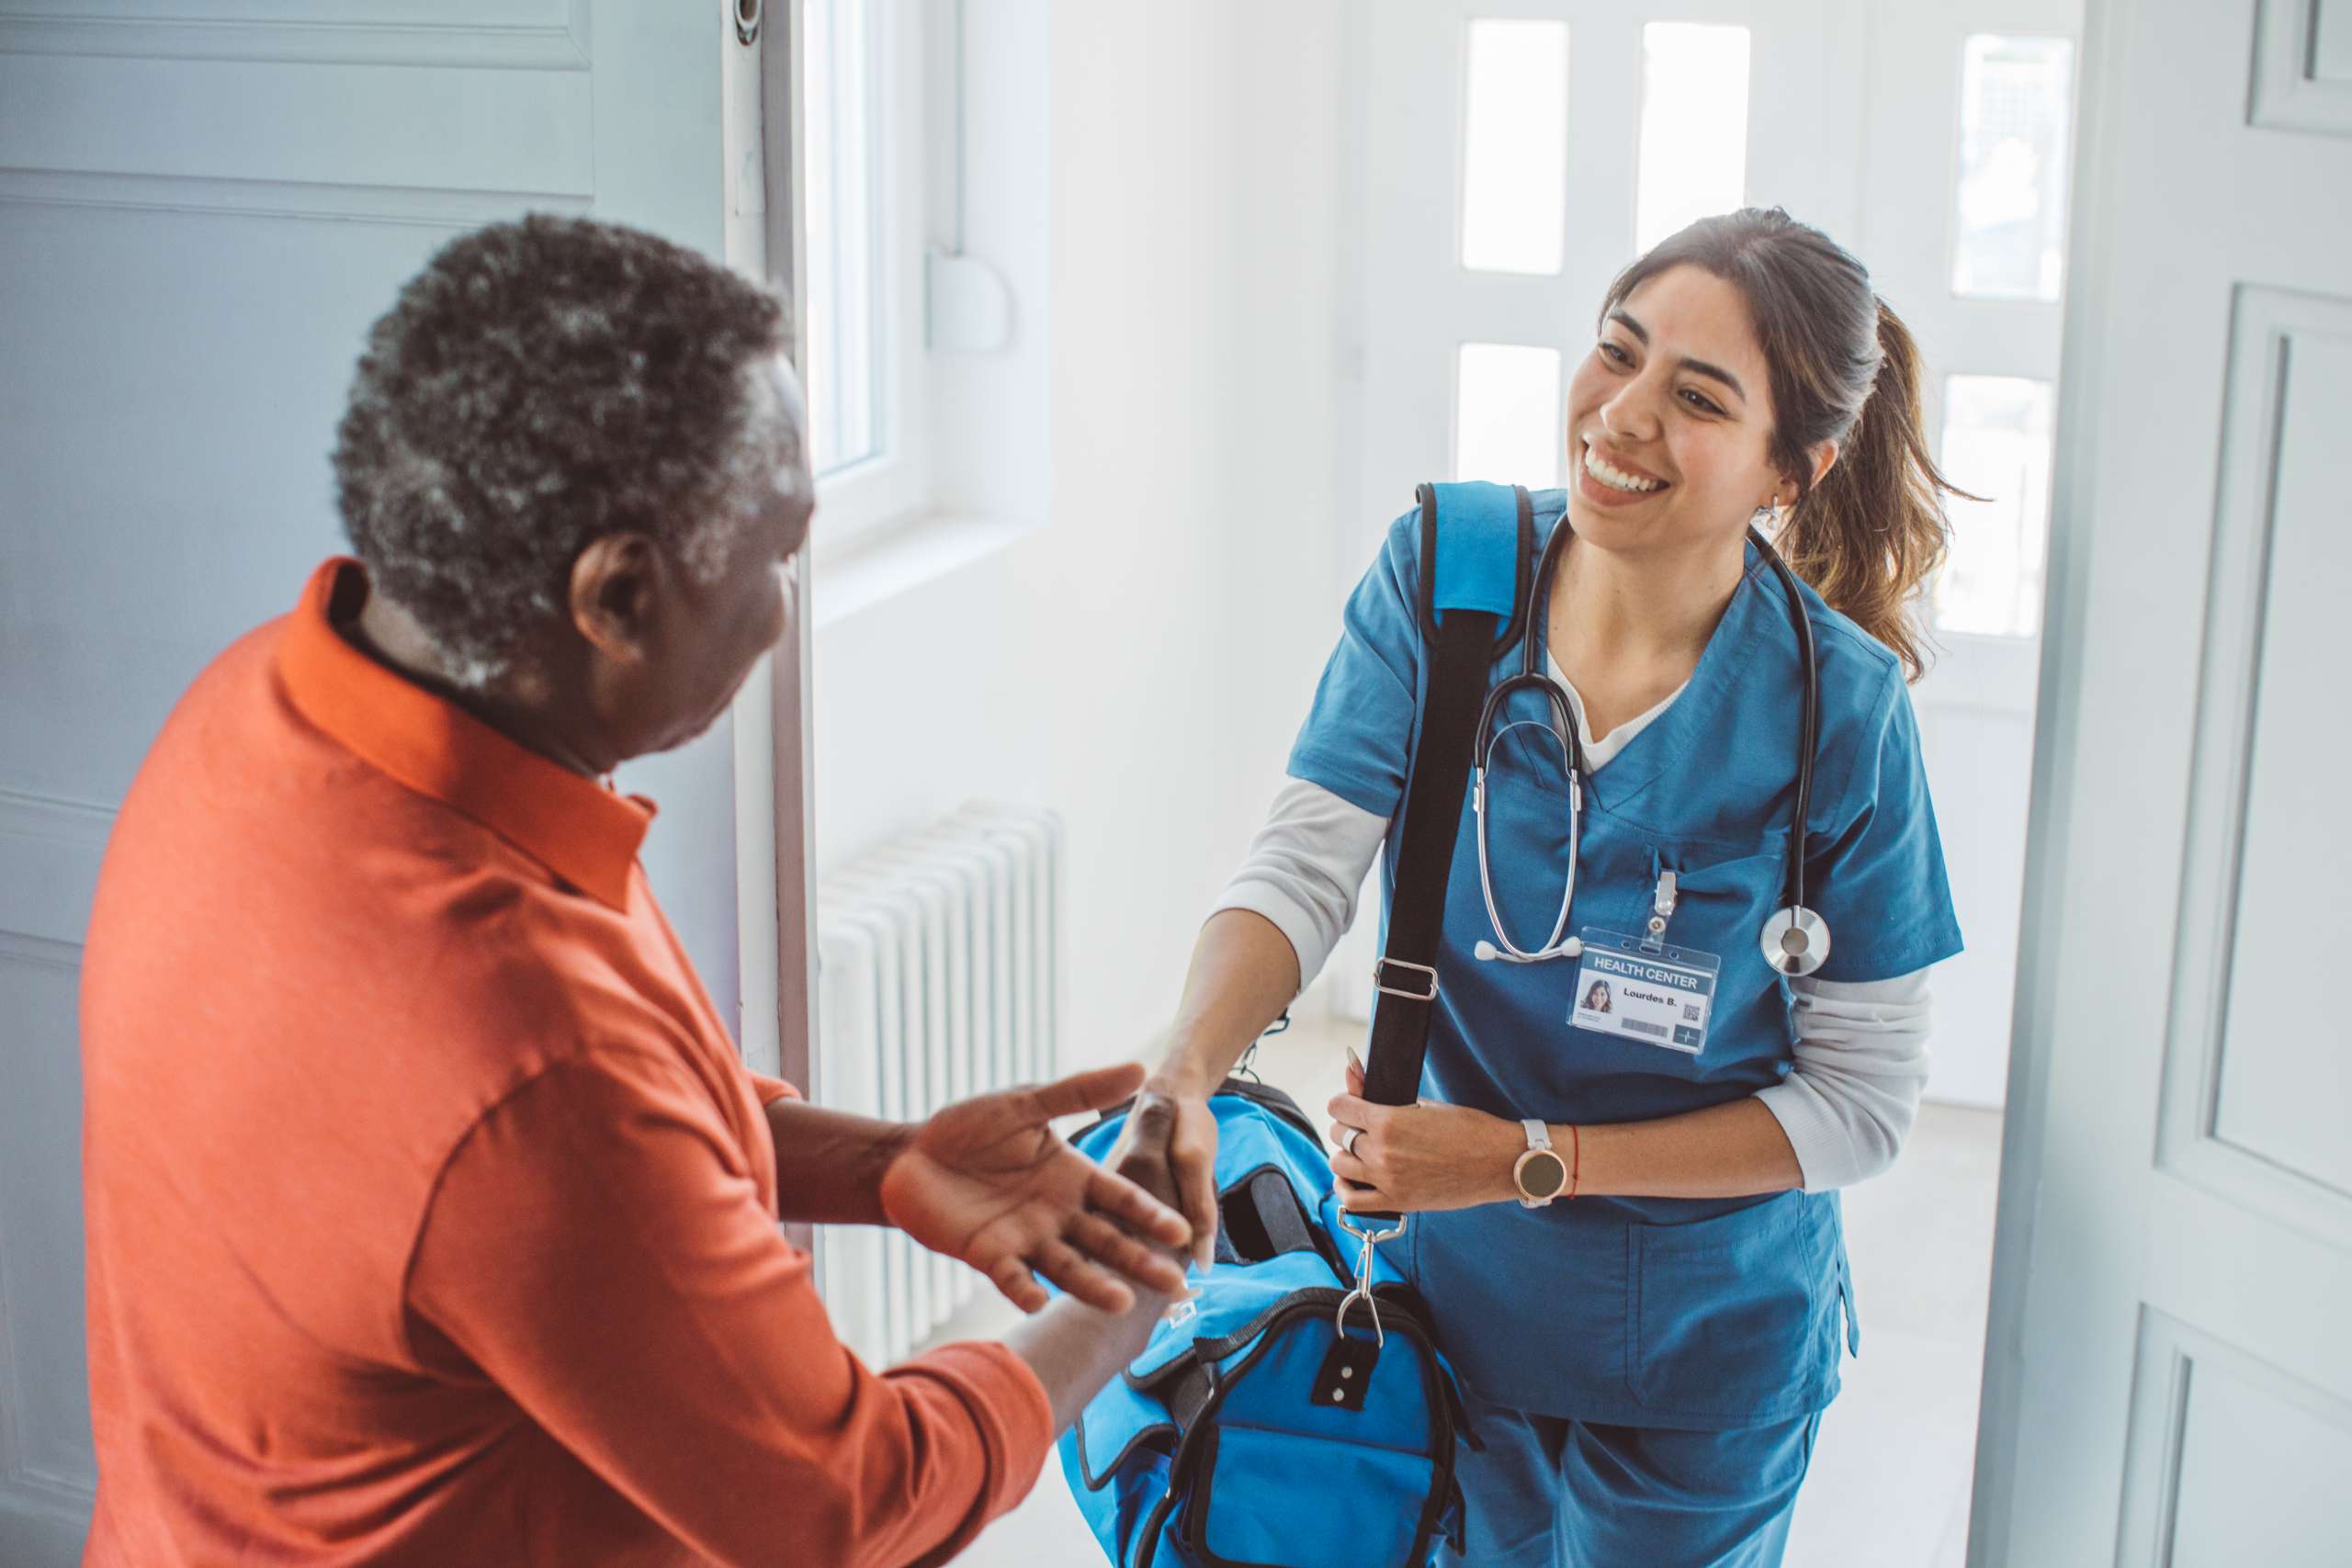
1379, 983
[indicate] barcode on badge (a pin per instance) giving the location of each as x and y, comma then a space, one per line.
1643, 1026
1689, 1012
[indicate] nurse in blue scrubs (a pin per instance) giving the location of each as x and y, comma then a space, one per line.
1652, 1323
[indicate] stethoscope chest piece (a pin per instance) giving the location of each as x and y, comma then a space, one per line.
1797, 941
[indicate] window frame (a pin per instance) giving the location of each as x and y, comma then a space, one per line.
1940, 410
1747, 28
2005, 335
2065, 163
1461, 182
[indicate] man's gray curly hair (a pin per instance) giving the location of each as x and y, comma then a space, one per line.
539, 385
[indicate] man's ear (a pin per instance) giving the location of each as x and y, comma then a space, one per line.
614, 582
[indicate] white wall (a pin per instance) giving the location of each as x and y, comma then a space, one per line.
1137, 661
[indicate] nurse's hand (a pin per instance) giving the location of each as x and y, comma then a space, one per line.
1408, 1160
1169, 1149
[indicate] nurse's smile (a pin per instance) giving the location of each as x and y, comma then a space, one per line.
1607, 481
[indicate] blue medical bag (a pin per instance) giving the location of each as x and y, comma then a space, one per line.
1254, 1430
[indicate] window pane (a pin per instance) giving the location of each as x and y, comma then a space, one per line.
1694, 126
1515, 147
1996, 443
842, 297
2016, 97
1506, 414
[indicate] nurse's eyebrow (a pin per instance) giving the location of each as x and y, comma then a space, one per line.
1700, 366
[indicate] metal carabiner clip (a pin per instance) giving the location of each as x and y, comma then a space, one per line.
1362, 1290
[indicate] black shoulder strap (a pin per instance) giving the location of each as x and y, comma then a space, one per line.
1461, 645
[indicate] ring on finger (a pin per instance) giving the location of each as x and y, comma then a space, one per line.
1348, 1136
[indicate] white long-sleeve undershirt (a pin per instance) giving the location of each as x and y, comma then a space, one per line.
1861, 1048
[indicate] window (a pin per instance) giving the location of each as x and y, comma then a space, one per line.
2016, 98
1694, 127
860, 307
1506, 414
1515, 147
1996, 443
843, 169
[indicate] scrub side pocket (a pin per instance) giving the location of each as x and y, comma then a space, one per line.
1733, 1316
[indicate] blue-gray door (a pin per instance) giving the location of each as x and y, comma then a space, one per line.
202, 206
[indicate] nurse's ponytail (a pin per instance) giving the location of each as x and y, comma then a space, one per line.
1843, 368
1871, 534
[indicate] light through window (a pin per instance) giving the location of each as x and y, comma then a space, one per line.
1694, 126
1515, 147
1506, 414
840, 305
2016, 98
1996, 443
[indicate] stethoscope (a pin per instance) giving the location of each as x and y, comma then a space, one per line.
1796, 939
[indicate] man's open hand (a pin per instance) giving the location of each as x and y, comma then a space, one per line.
987, 1182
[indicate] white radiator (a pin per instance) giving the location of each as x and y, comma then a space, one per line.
938, 978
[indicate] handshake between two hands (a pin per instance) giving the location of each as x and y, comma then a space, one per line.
985, 1180
988, 1181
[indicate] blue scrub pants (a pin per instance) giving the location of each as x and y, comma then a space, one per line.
1551, 1493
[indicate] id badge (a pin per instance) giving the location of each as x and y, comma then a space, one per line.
1644, 990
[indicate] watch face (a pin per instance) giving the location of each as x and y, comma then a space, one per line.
1544, 1173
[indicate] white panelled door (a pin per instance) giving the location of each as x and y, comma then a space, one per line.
2171, 1379
202, 206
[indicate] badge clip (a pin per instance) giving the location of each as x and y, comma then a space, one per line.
1661, 910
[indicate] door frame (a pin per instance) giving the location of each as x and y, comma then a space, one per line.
2105, 37
791, 799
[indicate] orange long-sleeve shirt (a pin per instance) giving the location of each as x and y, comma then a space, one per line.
432, 1219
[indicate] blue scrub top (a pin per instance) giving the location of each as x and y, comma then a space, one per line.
1647, 1312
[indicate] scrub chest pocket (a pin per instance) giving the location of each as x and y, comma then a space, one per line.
1723, 896
1720, 894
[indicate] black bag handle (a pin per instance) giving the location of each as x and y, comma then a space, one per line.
1462, 646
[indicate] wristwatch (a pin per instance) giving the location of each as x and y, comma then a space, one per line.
1540, 1173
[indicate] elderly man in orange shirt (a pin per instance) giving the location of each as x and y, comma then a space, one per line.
432, 1218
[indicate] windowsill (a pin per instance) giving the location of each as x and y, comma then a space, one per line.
893, 558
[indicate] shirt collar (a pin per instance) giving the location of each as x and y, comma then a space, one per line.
577, 828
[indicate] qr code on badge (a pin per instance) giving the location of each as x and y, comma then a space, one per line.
1689, 1012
